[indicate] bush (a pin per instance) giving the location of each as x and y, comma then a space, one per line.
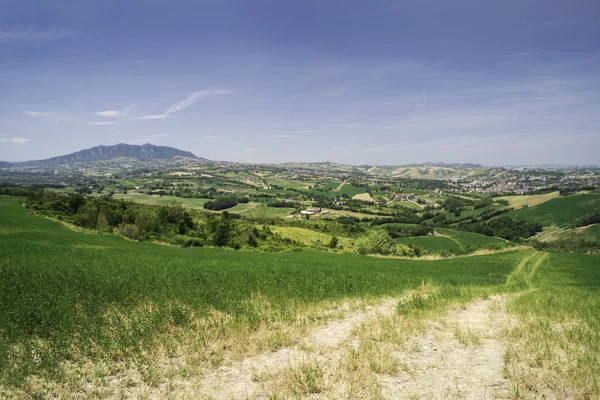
375, 242
130, 231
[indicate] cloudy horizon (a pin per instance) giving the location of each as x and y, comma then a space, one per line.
511, 83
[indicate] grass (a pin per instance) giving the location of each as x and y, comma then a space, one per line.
561, 211
451, 239
162, 200
433, 243
69, 299
78, 310
310, 237
260, 210
530, 200
553, 347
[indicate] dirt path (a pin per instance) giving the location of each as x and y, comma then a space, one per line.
460, 358
235, 380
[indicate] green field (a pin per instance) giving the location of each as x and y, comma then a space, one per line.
560, 211
77, 308
451, 239
554, 345
66, 295
433, 243
310, 237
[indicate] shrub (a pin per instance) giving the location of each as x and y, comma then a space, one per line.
375, 242
130, 231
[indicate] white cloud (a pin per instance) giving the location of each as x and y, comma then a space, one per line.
109, 113
104, 123
192, 97
160, 116
36, 114
116, 113
15, 140
30, 33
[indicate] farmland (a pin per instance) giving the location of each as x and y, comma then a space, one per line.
561, 211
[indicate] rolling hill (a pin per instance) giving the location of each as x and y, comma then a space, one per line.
4, 164
560, 211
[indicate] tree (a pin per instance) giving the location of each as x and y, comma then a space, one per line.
333, 242
378, 241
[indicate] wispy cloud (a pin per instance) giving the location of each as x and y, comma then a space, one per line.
31, 33
116, 113
16, 140
37, 114
517, 54
192, 97
101, 123
159, 116
109, 113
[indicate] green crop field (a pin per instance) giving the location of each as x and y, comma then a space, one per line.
560, 317
473, 239
351, 190
66, 295
434, 243
72, 300
451, 239
560, 211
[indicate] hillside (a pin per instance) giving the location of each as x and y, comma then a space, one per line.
4, 164
100, 153
560, 211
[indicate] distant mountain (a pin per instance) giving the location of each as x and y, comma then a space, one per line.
146, 152
4, 164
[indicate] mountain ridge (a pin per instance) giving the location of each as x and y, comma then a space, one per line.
143, 152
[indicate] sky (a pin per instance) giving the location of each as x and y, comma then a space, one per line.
356, 82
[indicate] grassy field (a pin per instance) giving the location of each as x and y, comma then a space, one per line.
554, 347
433, 243
473, 239
310, 237
561, 211
531, 200
163, 201
80, 310
451, 239
68, 298
260, 210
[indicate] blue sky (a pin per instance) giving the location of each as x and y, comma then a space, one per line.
370, 82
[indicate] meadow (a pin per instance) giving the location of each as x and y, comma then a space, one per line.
71, 297
81, 307
554, 345
452, 239
164, 200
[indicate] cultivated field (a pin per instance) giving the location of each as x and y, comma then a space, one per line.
561, 211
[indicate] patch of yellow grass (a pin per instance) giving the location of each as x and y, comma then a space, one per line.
528, 200
363, 197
